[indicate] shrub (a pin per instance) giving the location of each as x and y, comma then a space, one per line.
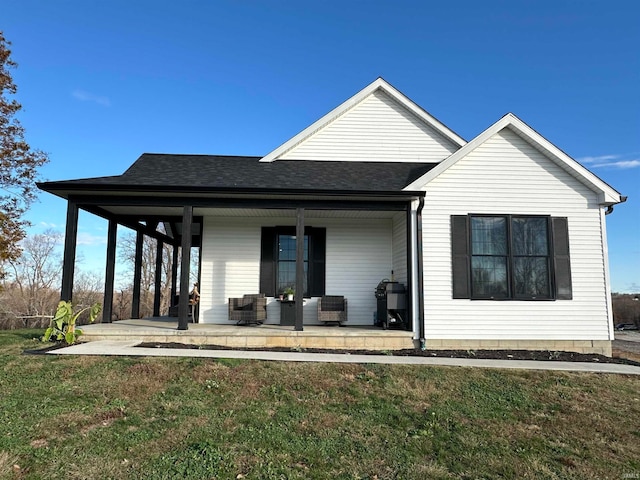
63, 325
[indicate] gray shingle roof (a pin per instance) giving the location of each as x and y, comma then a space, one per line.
247, 173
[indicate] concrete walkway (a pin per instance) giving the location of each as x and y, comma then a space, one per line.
128, 348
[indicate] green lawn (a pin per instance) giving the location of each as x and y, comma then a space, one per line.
105, 417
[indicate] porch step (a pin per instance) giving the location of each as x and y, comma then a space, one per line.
264, 336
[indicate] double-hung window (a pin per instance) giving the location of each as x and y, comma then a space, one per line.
510, 257
521, 257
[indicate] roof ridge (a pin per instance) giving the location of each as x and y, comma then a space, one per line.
198, 155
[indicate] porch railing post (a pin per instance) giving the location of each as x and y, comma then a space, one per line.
70, 239
183, 306
299, 297
137, 276
109, 275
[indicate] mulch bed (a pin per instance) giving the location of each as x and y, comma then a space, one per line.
542, 355
482, 354
42, 351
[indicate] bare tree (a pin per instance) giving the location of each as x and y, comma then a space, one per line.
626, 309
122, 304
88, 290
127, 254
31, 286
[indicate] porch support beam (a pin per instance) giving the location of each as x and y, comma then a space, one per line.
109, 275
70, 240
137, 276
299, 297
183, 306
158, 278
379, 202
128, 221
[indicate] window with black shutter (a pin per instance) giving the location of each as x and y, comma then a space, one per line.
522, 257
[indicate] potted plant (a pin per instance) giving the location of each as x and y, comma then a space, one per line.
289, 292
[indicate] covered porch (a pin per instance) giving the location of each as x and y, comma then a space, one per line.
340, 242
361, 243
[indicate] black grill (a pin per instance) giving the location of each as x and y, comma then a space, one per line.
392, 304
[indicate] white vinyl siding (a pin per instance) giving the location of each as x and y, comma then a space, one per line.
230, 265
377, 129
400, 248
358, 255
506, 175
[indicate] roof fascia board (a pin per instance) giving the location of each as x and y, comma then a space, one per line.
340, 203
607, 195
154, 190
383, 85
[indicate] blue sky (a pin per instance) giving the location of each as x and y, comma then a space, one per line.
103, 82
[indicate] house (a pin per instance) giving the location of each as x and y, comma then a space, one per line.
499, 241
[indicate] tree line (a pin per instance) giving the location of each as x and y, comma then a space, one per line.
30, 287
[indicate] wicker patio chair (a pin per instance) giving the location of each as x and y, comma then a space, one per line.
332, 309
248, 310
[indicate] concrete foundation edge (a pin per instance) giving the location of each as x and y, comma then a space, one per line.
602, 347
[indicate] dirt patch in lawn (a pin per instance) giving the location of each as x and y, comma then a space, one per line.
626, 349
543, 355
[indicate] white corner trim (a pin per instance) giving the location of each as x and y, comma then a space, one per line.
378, 84
608, 195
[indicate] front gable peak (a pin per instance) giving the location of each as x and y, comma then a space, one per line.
607, 195
379, 123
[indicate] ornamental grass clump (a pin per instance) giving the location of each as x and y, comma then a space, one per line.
63, 324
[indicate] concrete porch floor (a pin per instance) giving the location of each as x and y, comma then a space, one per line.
164, 330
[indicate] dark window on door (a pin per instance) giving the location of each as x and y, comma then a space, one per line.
286, 263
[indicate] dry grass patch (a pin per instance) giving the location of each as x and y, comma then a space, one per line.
209, 370
172, 437
147, 378
8, 461
102, 420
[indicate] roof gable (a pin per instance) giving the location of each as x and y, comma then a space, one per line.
607, 195
377, 124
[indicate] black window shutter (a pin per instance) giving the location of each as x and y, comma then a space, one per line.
318, 237
561, 262
460, 256
267, 261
